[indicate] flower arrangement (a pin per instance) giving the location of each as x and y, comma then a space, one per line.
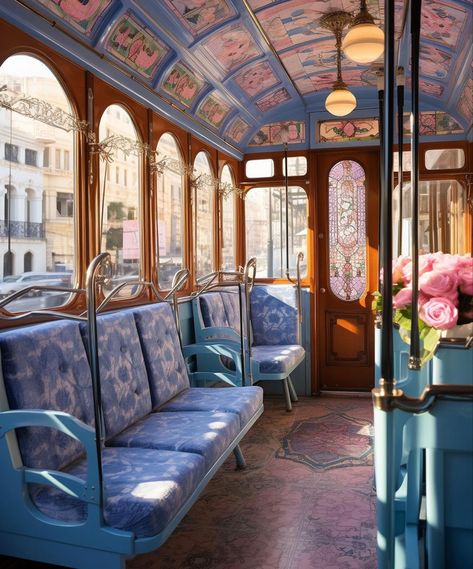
445, 296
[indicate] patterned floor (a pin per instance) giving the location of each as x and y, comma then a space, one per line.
304, 502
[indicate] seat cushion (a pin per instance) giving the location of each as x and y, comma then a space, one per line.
243, 401
277, 359
144, 489
166, 368
46, 367
204, 433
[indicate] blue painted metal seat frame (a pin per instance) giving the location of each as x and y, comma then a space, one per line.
93, 484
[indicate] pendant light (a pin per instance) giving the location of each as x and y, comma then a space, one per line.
340, 101
364, 41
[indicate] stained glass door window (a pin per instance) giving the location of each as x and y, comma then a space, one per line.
347, 230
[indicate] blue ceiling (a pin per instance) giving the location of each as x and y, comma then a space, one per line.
224, 68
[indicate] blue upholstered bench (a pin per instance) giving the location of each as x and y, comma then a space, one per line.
164, 438
274, 351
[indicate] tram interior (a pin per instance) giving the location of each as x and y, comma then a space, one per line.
236, 284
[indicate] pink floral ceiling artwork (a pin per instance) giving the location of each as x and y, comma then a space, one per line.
434, 62
290, 24
200, 15
442, 22
309, 59
183, 84
232, 46
273, 99
465, 104
347, 130
134, 45
213, 109
320, 81
255, 78
81, 15
237, 129
432, 89
292, 132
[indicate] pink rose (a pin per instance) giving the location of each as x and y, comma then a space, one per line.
439, 313
403, 298
436, 283
465, 262
425, 265
398, 265
465, 280
445, 262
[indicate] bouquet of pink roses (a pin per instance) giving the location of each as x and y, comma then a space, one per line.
445, 295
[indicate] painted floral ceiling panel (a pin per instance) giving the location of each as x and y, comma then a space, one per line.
198, 15
442, 22
256, 78
183, 84
81, 15
213, 109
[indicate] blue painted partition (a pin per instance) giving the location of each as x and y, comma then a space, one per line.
412, 382
453, 363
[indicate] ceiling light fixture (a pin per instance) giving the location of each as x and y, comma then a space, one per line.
364, 41
341, 101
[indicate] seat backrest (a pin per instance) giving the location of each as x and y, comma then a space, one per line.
274, 317
125, 388
446, 432
167, 371
220, 309
46, 367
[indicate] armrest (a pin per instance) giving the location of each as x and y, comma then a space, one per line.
79, 431
228, 349
219, 333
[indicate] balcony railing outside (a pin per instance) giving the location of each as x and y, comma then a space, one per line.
21, 229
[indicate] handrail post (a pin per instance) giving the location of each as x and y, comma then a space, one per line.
91, 284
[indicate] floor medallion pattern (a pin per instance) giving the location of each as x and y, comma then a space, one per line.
333, 441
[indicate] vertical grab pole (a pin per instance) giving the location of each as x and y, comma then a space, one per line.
286, 183
414, 359
384, 417
300, 258
380, 85
91, 284
400, 140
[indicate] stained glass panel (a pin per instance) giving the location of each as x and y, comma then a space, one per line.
347, 230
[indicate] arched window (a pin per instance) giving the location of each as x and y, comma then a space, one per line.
265, 229
45, 236
120, 202
227, 200
203, 216
28, 261
347, 230
170, 211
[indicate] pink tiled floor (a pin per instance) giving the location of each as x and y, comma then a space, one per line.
278, 514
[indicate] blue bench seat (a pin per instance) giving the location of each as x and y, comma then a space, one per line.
163, 439
144, 489
206, 434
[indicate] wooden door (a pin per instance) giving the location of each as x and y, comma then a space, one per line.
347, 267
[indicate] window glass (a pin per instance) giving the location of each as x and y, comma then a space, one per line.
406, 161
170, 211
347, 230
36, 240
228, 220
444, 159
263, 168
443, 218
120, 225
203, 216
296, 166
265, 228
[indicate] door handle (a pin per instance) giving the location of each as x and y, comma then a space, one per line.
322, 291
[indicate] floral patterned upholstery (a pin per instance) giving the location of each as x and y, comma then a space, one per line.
277, 359
207, 434
221, 309
274, 315
46, 367
167, 370
144, 489
244, 401
125, 389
